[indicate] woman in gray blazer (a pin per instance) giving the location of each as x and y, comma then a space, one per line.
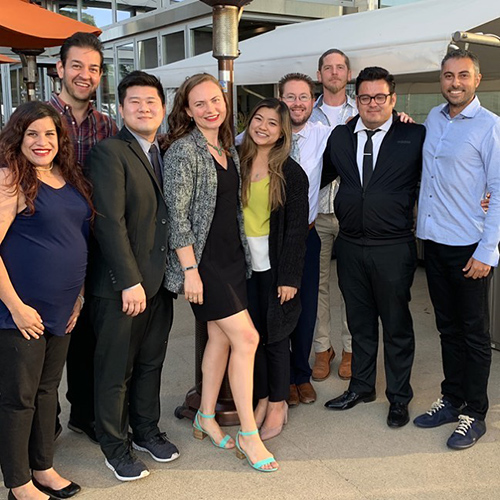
209, 259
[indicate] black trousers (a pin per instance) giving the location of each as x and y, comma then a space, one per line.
375, 282
272, 360
128, 362
30, 372
462, 318
302, 337
80, 369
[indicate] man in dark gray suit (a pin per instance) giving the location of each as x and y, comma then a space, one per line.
131, 310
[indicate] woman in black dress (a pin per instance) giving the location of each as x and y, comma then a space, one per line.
209, 258
44, 224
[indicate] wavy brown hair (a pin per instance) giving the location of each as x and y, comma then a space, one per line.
277, 155
23, 172
180, 123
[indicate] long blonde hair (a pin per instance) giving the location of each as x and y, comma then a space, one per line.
180, 123
277, 155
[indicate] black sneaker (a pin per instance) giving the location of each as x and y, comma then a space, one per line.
441, 412
468, 431
159, 447
84, 428
128, 467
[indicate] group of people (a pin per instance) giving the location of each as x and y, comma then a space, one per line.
100, 229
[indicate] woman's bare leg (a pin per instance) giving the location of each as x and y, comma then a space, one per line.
244, 339
213, 368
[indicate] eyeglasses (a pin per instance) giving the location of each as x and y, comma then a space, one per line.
293, 98
379, 98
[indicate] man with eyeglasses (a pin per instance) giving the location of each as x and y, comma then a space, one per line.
378, 160
308, 144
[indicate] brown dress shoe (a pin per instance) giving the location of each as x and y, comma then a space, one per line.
321, 368
293, 399
345, 366
307, 394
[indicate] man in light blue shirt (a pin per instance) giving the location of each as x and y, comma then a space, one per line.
461, 164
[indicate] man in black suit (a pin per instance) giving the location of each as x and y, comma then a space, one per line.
131, 310
379, 160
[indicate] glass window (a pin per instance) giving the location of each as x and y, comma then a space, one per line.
108, 101
97, 13
148, 53
173, 47
125, 60
202, 40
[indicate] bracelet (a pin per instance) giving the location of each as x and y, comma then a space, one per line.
188, 268
82, 298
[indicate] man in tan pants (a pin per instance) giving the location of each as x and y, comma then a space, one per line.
334, 107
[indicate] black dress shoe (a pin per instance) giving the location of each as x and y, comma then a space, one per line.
398, 415
350, 399
71, 490
87, 428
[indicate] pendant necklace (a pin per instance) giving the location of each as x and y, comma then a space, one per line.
218, 149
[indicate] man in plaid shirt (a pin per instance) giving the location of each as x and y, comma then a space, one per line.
80, 70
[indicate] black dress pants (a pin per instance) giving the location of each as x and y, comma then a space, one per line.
30, 372
462, 318
128, 362
80, 370
272, 360
375, 282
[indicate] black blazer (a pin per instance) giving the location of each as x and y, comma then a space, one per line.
383, 213
130, 228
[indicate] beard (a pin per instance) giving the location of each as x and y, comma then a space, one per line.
335, 87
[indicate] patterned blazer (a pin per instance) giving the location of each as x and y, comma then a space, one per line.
190, 190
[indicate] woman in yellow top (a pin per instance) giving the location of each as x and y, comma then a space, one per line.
275, 207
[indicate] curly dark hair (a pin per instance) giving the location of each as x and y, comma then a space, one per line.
180, 123
24, 176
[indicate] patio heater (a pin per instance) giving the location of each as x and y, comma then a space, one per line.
226, 16
30, 71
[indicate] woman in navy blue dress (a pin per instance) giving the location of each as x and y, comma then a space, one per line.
45, 210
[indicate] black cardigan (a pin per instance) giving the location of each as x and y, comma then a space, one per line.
287, 249
383, 213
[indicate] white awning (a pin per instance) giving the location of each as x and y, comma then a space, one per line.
408, 40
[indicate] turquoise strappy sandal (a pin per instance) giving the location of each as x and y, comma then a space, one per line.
257, 465
200, 433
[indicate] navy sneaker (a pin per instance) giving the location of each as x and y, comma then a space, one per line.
128, 467
159, 447
441, 412
468, 431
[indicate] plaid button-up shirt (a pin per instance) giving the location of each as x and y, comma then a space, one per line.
94, 128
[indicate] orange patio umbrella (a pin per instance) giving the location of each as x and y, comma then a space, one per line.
28, 29
6, 59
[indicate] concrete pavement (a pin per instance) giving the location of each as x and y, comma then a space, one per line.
350, 455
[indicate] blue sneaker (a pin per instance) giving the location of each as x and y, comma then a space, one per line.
468, 431
441, 412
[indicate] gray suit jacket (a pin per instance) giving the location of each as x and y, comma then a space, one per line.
131, 226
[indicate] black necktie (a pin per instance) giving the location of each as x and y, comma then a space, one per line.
368, 158
155, 161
